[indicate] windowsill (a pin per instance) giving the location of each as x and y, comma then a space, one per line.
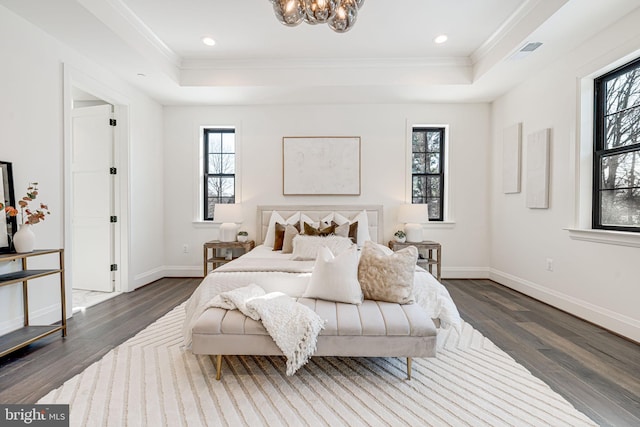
205, 224
440, 224
620, 238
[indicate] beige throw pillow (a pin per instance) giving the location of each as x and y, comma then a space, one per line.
335, 278
289, 233
386, 277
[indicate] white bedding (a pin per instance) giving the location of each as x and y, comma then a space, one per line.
276, 272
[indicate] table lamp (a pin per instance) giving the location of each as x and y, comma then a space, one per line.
413, 216
229, 214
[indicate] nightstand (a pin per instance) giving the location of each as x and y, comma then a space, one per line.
216, 260
426, 257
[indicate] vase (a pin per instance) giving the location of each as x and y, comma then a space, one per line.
243, 238
24, 240
400, 239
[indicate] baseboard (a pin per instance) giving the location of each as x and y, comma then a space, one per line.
614, 322
183, 271
148, 277
465, 272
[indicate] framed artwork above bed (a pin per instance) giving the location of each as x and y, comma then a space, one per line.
321, 166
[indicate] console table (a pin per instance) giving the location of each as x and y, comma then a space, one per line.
30, 333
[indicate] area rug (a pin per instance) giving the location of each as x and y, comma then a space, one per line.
150, 380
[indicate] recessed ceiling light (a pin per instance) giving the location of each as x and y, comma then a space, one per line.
441, 39
208, 41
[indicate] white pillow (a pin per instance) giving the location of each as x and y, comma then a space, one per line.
335, 278
363, 225
270, 237
306, 247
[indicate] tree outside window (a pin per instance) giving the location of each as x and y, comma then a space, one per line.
427, 169
617, 150
219, 169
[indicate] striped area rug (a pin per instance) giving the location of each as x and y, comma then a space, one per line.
151, 381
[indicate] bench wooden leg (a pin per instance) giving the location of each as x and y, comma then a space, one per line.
408, 368
218, 366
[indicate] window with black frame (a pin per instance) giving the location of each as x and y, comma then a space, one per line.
616, 159
427, 169
219, 168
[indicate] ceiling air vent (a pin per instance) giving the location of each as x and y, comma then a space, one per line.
525, 50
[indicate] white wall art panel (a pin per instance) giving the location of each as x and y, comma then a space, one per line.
511, 155
538, 170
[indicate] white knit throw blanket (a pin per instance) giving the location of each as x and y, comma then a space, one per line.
294, 327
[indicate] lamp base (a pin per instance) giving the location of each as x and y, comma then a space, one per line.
228, 232
413, 232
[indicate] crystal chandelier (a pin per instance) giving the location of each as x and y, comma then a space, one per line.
339, 14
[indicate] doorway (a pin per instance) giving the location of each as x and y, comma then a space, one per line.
93, 232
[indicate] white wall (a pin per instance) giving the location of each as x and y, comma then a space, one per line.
599, 282
383, 129
31, 137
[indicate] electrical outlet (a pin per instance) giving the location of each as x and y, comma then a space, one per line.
185, 249
549, 264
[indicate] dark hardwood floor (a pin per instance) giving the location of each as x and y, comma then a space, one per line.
31, 372
595, 370
598, 372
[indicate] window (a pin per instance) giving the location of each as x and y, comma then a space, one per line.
427, 169
616, 159
219, 168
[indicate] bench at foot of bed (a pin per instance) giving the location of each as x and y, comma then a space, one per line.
373, 329
218, 362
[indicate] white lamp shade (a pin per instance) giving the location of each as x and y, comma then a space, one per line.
227, 212
413, 213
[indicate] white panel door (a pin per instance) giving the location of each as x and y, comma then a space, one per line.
91, 192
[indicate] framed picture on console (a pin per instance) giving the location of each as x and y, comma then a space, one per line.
321, 166
8, 225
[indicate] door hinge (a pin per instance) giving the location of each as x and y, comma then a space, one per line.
112, 122
113, 218
113, 171
114, 267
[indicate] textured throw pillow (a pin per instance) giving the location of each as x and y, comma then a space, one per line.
362, 229
270, 237
321, 230
280, 235
341, 230
347, 230
386, 277
306, 247
335, 278
289, 233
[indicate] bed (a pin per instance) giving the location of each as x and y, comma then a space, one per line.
275, 271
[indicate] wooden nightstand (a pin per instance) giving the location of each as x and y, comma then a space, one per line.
425, 254
216, 260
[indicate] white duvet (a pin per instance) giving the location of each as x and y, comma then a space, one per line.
276, 272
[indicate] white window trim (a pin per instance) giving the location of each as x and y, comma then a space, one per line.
198, 184
448, 214
582, 159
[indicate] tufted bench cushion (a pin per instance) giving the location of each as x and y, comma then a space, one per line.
373, 329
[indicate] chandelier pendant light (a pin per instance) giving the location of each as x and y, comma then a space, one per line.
340, 15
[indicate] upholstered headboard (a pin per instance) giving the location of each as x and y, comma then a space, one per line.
317, 212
